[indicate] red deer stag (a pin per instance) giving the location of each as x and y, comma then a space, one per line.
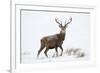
54, 41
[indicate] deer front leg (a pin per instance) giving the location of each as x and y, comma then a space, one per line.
45, 52
56, 51
61, 50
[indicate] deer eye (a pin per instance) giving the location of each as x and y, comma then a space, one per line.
60, 26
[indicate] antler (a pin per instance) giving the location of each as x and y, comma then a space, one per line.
57, 21
69, 21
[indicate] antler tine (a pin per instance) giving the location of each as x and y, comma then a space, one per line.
69, 21
56, 19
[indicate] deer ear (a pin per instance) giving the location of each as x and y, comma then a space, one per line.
60, 25
65, 26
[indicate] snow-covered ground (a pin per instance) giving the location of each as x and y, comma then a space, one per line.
38, 24
29, 58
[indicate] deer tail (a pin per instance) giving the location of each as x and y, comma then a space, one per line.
42, 43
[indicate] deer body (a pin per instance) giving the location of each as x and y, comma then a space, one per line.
54, 41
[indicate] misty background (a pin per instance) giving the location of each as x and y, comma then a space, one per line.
37, 24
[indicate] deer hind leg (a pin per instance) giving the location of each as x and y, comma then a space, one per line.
61, 50
40, 51
45, 52
41, 48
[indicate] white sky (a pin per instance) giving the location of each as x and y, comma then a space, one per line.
37, 24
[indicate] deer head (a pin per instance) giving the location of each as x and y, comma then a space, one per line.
63, 28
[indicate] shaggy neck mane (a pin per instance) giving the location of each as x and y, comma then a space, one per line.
61, 36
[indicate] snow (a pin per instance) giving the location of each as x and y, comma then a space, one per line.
29, 58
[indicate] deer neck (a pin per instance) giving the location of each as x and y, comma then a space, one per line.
62, 36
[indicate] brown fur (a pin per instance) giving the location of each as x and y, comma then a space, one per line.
54, 41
